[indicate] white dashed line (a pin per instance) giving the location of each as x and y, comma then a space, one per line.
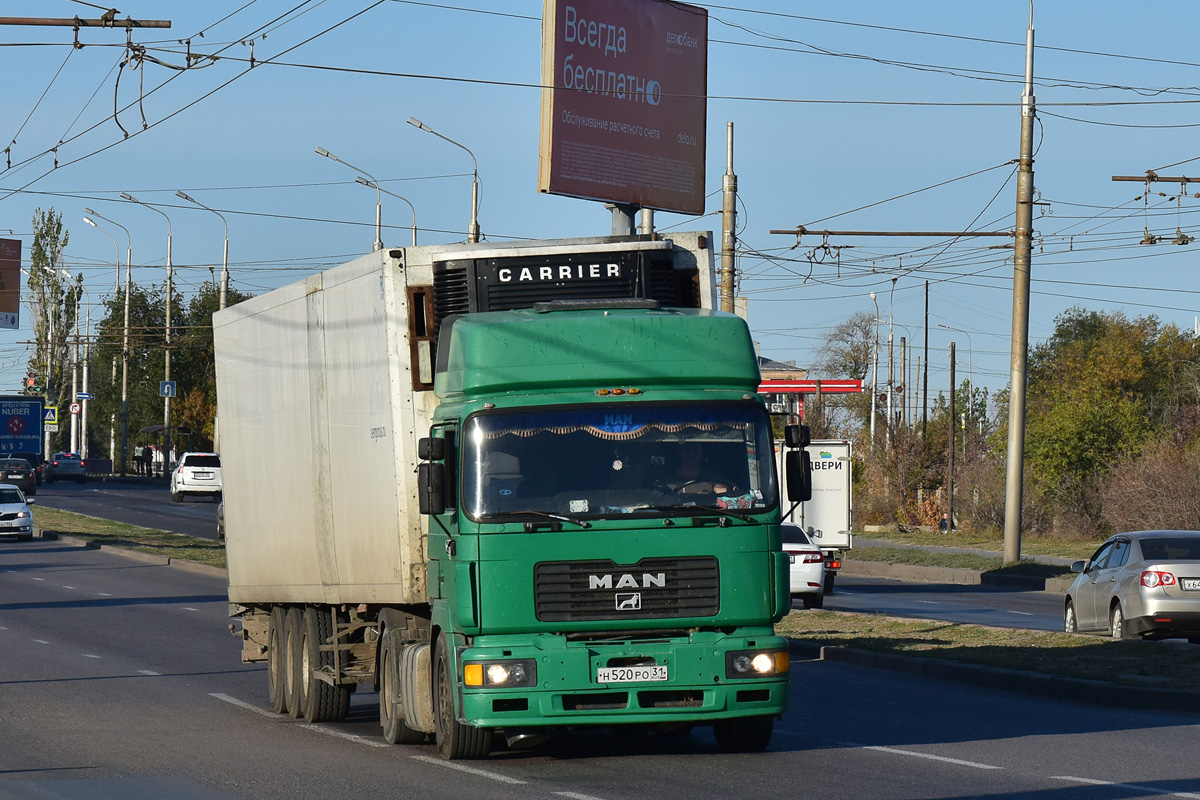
929, 602
262, 712
932, 757
1022, 613
68, 587
39, 579
104, 594
41, 641
189, 608
89, 655
483, 773
1126, 786
148, 672
576, 796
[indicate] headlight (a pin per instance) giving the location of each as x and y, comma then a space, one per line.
501, 674
756, 663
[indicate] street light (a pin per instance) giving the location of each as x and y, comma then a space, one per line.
124, 349
473, 230
379, 188
321, 151
76, 422
167, 353
224, 253
971, 356
891, 307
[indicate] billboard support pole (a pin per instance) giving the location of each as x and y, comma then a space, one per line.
623, 216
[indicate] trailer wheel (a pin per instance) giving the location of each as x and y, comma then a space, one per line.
295, 663
454, 740
829, 576
277, 662
323, 702
744, 734
391, 709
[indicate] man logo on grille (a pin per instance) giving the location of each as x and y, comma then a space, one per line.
629, 601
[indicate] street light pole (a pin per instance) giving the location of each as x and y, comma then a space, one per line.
124, 348
891, 307
472, 231
224, 253
379, 188
167, 352
321, 151
875, 376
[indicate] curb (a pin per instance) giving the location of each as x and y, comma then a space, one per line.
1011, 680
145, 558
965, 577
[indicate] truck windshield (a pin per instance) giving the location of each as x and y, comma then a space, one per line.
602, 461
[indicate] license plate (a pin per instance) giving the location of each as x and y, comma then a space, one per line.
1190, 584
631, 674
204, 476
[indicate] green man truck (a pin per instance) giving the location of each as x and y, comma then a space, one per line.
514, 488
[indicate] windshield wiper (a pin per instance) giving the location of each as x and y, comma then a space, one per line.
583, 523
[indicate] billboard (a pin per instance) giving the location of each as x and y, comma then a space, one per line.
625, 85
10, 283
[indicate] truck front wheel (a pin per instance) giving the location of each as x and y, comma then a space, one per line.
454, 740
744, 734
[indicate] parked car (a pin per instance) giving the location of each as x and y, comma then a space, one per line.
16, 518
198, 474
807, 566
18, 472
65, 466
1144, 584
35, 460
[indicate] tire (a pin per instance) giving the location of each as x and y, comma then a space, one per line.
454, 740
324, 702
1070, 623
176, 497
277, 661
744, 734
1116, 623
391, 708
814, 601
79, 480
295, 663
829, 576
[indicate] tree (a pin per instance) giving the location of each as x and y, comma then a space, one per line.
846, 353
54, 303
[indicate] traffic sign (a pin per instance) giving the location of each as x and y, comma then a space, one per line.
51, 415
166, 388
75, 408
83, 396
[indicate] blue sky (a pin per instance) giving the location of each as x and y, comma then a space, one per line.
837, 109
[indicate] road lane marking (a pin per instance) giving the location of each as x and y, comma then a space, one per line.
262, 712
1127, 786
575, 796
149, 672
1022, 613
41, 641
104, 594
483, 773
68, 587
89, 655
929, 756
930, 602
189, 608
39, 579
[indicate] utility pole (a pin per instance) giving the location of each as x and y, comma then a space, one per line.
950, 458
728, 223
925, 380
1022, 255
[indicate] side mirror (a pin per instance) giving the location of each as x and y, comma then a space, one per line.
430, 449
431, 489
797, 468
797, 436
1078, 566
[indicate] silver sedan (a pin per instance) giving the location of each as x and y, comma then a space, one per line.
1144, 584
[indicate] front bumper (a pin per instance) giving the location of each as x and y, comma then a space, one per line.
568, 693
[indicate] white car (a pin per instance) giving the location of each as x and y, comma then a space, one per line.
196, 474
807, 566
16, 518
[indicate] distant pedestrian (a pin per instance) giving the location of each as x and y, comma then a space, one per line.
944, 525
138, 465
148, 460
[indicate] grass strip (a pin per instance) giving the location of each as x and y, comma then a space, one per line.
130, 537
990, 540
927, 558
1125, 662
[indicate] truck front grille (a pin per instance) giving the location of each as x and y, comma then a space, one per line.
654, 588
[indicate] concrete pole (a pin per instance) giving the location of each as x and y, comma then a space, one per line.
728, 223
1022, 255
950, 457
875, 373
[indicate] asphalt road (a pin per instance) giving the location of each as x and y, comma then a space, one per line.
985, 605
119, 680
137, 503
